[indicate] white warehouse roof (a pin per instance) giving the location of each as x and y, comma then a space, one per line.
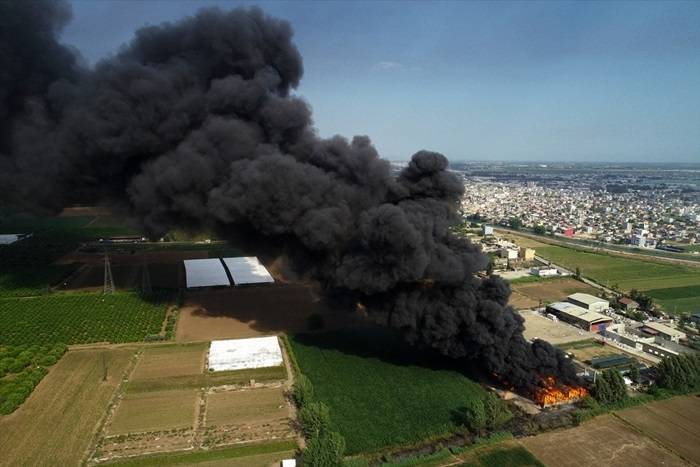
663, 329
6, 239
578, 312
205, 273
586, 298
239, 354
247, 270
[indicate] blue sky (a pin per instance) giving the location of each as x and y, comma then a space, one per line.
546, 81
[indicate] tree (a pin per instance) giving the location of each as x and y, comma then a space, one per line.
515, 223
314, 418
302, 391
680, 372
610, 387
489, 267
324, 450
539, 229
497, 414
634, 373
577, 274
475, 415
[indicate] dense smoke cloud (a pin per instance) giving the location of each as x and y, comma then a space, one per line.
194, 123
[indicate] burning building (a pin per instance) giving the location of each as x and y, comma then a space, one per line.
194, 124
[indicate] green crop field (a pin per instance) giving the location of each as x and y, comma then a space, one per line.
512, 456
381, 392
80, 318
675, 287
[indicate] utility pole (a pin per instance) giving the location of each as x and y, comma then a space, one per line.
109, 280
146, 288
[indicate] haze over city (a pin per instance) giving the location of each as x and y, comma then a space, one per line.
545, 81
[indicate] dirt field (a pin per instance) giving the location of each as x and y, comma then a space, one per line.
675, 423
528, 295
585, 354
247, 406
55, 425
537, 326
252, 311
170, 361
154, 411
603, 441
247, 415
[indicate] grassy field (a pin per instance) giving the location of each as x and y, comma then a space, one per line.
255, 455
171, 360
502, 455
80, 318
56, 424
154, 411
676, 287
531, 294
379, 391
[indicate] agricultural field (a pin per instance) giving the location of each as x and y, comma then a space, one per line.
81, 318
169, 402
55, 426
508, 454
249, 455
677, 299
674, 286
531, 294
674, 423
154, 411
606, 440
380, 391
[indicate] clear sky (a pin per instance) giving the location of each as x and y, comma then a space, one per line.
583, 81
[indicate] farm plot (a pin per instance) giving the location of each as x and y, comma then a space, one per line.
81, 318
504, 454
380, 391
55, 425
677, 299
675, 423
628, 273
154, 412
169, 361
247, 415
603, 441
25, 281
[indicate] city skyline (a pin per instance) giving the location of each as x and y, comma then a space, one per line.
572, 82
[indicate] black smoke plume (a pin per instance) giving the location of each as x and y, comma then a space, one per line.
195, 123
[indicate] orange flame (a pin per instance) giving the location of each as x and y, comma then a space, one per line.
553, 393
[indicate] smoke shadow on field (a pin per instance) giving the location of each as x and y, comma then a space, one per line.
263, 308
387, 345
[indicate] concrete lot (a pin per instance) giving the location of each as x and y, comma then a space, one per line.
537, 326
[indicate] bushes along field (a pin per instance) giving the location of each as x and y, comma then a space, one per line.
81, 318
379, 391
21, 369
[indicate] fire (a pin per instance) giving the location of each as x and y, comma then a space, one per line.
553, 393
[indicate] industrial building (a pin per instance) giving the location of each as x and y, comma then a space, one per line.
544, 272
487, 230
661, 330
578, 316
589, 302
217, 272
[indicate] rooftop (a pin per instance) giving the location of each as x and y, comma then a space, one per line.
576, 311
663, 329
586, 298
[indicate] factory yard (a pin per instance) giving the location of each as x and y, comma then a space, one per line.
555, 332
530, 294
604, 441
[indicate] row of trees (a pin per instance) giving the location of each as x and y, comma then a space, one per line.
680, 372
324, 447
610, 387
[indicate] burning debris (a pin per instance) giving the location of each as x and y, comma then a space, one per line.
194, 124
554, 393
